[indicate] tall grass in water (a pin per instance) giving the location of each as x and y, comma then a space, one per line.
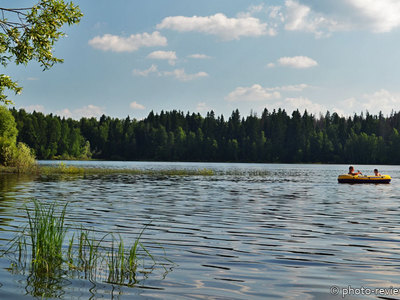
47, 233
43, 252
122, 263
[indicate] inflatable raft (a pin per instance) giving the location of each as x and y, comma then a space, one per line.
346, 178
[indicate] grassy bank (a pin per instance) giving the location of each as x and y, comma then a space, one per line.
62, 168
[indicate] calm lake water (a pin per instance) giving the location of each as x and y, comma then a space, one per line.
291, 233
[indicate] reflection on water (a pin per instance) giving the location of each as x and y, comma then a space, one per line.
11, 187
291, 233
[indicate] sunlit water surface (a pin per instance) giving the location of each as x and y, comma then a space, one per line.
292, 232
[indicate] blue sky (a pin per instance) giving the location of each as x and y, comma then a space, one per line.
131, 57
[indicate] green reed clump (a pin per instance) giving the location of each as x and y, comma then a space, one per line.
43, 250
122, 263
47, 233
61, 168
64, 169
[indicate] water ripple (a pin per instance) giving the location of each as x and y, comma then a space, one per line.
291, 233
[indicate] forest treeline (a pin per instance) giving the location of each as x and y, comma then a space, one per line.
175, 136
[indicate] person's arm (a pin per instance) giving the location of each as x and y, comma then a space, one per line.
354, 173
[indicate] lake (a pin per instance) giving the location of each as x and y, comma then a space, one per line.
252, 231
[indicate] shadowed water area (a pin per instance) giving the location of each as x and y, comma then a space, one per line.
251, 231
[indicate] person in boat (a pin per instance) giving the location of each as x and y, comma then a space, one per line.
351, 171
377, 173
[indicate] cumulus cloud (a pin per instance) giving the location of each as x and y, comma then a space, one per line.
383, 15
381, 100
252, 10
257, 92
202, 107
219, 25
298, 62
164, 55
343, 15
322, 18
178, 74
250, 94
302, 104
115, 43
295, 16
34, 107
291, 88
181, 75
85, 111
300, 17
273, 97
199, 56
145, 73
64, 113
89, 111
135, 105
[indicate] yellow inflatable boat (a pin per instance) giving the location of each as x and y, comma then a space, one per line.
346, 178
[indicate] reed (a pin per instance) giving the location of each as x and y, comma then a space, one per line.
72, 170
47, 233
123, 262
63, 169
42, 251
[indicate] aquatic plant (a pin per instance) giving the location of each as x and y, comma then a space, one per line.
42, 251
122, 263
47, 233
63, 169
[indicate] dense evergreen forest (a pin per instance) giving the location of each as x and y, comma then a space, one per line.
175, 136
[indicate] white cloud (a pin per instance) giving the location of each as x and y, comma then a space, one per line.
275, 13
302, 104
181, 75
199, 56
375, 15
298, 62
259, 93
202, 107
383, 15
34, 107
256, 8
381, 100
251, 11
271, 65
86, 112
132, 43
296, 15
322, 18
64, 113
135, 105
164, 55
250, 94
145, 73
89, 111
218, 24
32, 78
299, 17
291, 88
